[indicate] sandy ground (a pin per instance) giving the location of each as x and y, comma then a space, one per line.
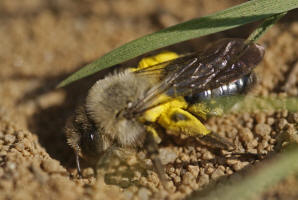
43, 41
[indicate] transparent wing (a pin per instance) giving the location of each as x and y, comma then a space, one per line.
221, 63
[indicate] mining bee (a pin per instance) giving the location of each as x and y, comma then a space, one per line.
165, 94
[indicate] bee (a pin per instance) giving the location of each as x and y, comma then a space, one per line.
165, 94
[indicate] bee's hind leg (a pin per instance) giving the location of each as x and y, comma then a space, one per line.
218, 143
215, 140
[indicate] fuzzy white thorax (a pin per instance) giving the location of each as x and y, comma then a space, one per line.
111, 95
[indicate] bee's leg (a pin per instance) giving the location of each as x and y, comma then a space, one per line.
78, 165
152, 129
217, 141
152, 148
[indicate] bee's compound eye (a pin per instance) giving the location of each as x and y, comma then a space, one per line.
90, 144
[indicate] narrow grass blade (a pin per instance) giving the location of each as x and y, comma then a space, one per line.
236, 16
258, 32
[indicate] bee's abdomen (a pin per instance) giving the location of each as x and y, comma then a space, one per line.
238, 86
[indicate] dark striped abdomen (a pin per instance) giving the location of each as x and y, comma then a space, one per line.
238, 86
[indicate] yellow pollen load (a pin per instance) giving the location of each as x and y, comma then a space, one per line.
159, 58
200, 110
154, 113
177, 120
173, 114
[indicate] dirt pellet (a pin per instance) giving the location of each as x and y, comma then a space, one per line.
217, 173
167, 156
50, 165
246, 135
282, 123
261, 118
144, 194
203, 179
207, 155
263, 129
194, 170
9, 139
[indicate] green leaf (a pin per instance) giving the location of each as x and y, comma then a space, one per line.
236, 16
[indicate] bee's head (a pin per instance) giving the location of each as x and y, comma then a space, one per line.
84, 137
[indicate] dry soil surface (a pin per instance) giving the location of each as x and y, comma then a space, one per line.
43, 41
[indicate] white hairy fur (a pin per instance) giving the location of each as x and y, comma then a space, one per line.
111, 96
